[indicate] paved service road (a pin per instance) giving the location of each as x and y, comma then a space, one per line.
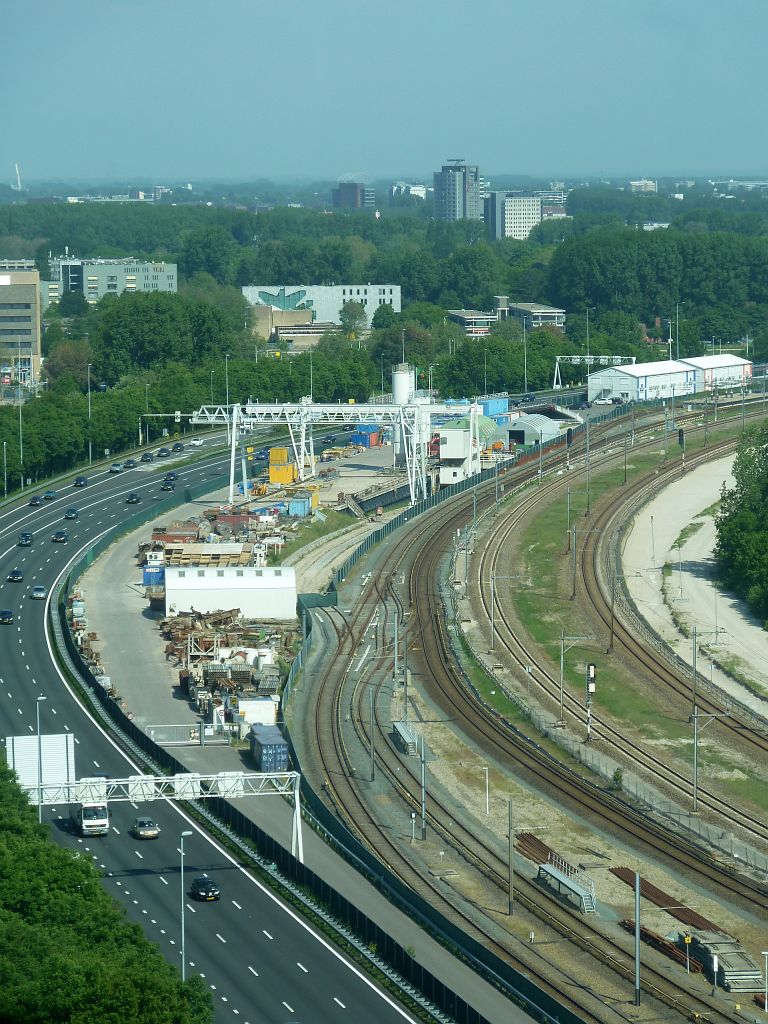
262, 962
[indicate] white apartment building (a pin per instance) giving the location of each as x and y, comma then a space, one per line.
510, 215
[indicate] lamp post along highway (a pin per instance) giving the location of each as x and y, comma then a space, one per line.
40, 699
90, 440
183, 908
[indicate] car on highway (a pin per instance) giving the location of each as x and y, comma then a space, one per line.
39, 593
80, 481
147, 457
163, 453
116, 467
35, 501
15, 576
145, 828
204, 889
71, 513
25, 539
530, 397
59, 537
6, 617
178, 447
262, 454
49, 496
196, 442
167, 485
329, 439
171, 475
130, 464
133, 498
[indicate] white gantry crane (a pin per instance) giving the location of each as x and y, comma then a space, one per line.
408, 415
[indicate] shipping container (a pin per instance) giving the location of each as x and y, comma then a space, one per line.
494, 406
368, 439
268, 748
300, 507
278, 456
153, 575
282, 474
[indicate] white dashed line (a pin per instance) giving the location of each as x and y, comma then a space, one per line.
302, 967
268, 936
139, 855
254, 973
339, 1002
115, 831
163, 880
235, 904
221, 938
288, 1008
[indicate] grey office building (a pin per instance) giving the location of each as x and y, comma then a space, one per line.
458, 192
19, 322
97, 278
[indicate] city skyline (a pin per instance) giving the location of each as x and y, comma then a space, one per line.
242, 92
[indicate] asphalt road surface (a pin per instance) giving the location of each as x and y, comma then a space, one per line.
262, 962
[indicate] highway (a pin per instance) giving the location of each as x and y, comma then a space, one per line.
261, 961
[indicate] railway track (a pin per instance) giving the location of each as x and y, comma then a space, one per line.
347, 792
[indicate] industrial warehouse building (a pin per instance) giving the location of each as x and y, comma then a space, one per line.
669, 378
533, 429
260, 592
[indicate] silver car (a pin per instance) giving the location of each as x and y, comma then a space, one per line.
39, 593
145, 828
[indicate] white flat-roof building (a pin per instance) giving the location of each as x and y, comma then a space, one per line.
642, 382
324, 301
260, 592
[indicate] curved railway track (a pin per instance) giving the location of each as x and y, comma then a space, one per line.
348, 793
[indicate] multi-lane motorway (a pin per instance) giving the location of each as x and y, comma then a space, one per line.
261, 961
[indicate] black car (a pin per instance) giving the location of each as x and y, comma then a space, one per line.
130, 464
178, 447
163, 453
15, 576
59, 537
71, 513
167, 485
133, 499
81, 481
202, 888
6, 619
329, 439
171, 475
25, 539
147, 457
35, 501
530, 397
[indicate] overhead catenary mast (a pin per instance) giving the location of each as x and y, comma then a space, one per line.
17, 186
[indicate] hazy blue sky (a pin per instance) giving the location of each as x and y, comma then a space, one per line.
169, 89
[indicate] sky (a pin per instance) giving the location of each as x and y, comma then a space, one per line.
316, 89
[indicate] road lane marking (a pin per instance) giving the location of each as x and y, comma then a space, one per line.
303, 968
234, 904
254, 973
163, 880
339, 1002
266, 933
138, 855
288, 1008
221, 938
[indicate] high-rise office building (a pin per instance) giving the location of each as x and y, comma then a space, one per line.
458, 192
354, 195
19, 322
511, 215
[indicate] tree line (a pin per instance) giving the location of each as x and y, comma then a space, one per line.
742, 524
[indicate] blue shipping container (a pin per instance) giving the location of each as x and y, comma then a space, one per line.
299, 507
494, 406
154, 576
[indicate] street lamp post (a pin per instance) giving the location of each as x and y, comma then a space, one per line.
212, 373
485, 371
183, 908
226, 384
5, 469
487, 804
40, 699
590, 309
677, 328
90, 440
146, 396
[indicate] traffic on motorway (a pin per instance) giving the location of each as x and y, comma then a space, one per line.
260, 959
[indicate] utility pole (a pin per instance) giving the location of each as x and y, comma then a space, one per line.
423, 792
588, 471
373, 755
571, 641
511, 863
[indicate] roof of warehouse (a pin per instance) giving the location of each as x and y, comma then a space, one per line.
535, 420
712, 362
487, 429
649, 369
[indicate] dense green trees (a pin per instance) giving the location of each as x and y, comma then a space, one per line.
67, 952
742, 524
